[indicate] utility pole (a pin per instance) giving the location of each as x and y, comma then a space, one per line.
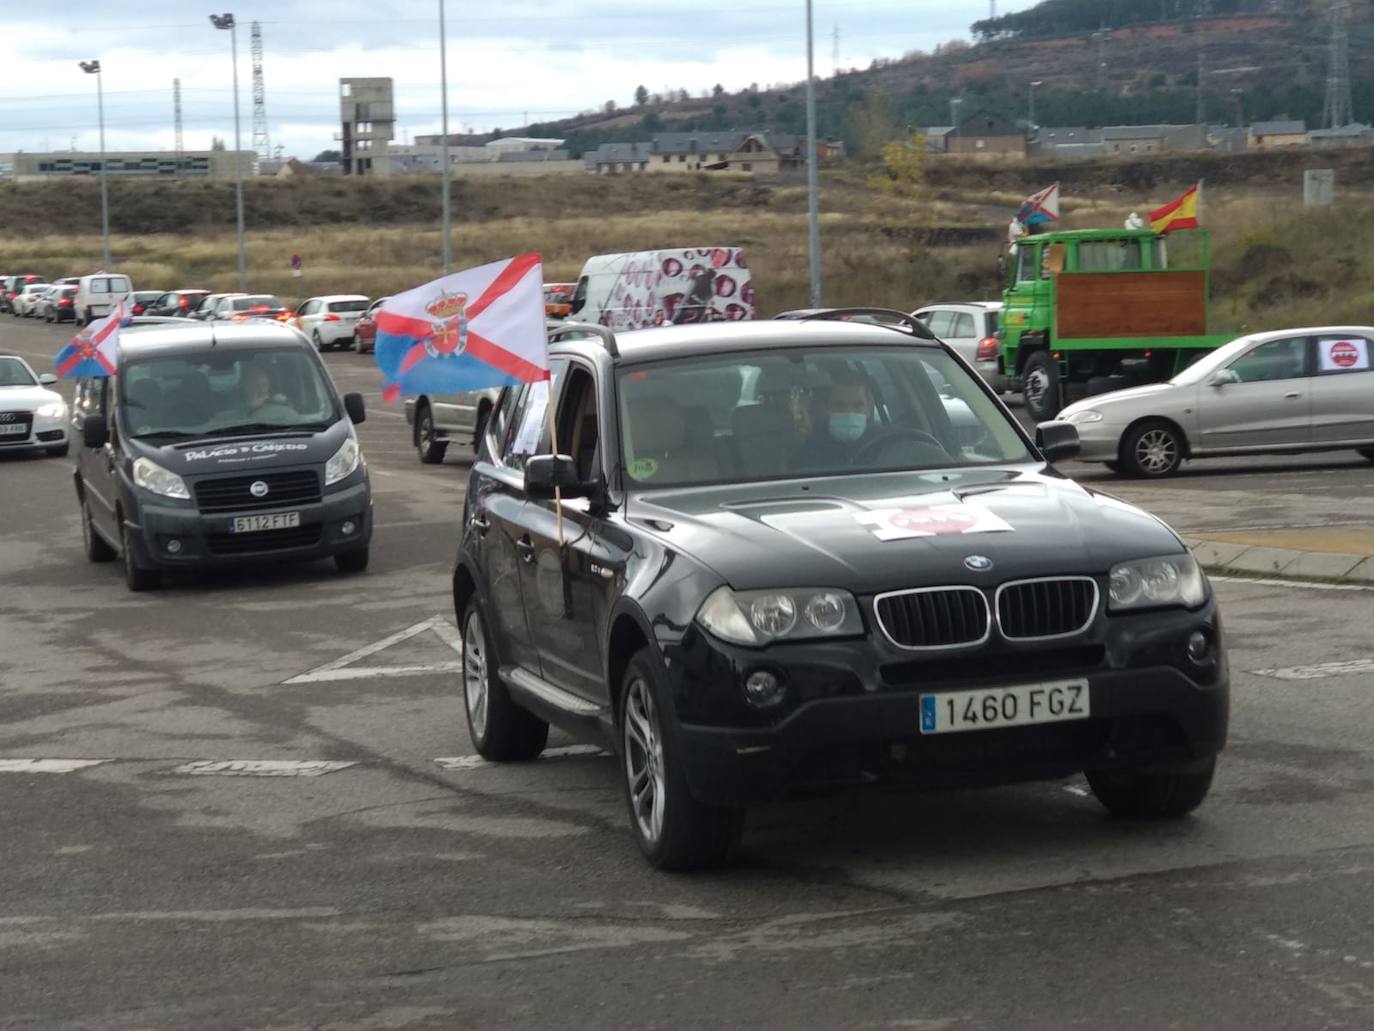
1337, 108
444, 172
93, 68
261, 143
1037, 82
176, 120
1201, 117
812, 185
226, 21
835, 51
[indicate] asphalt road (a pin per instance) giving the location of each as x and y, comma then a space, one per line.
155, 891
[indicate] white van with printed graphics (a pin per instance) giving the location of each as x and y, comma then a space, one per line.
664, 288
97, 293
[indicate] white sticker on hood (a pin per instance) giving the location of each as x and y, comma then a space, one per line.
242, 452
898, 524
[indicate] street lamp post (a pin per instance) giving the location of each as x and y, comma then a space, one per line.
812, 186
443, 145
93, 68
954, 103
226, 21
1037, 82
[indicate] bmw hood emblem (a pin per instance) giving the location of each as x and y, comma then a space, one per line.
978, 563
258, 489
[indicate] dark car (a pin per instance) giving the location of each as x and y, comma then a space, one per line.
206, 308
175, 303
61, 306
241, 307
141, 300
12, 286
778, 563
365, 332
218, 447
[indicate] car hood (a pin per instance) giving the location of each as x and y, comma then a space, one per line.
248, 454
27, 398
1148, 392
890, 531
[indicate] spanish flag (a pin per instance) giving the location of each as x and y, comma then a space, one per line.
1180, 213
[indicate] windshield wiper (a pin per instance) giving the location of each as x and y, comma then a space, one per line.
167, 435
261, 427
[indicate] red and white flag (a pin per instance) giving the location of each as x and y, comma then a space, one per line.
93, 351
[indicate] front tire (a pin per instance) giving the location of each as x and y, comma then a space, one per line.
1153, 795
96, 547
1040, 386
500, 730
674, 830
136, 577
429, 447
60, 451
1152, 450
354, 561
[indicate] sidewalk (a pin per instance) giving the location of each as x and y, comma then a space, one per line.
1323, 552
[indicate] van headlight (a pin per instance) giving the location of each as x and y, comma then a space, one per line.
344, 462
795, 613
1157, 582
152, 477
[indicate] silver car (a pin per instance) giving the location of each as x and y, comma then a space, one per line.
436, 420
970, 327
1287, 391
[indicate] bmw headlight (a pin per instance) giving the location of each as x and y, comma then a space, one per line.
795, 613
1086, 415
344, 462
54, 410
151, 476
1156, 582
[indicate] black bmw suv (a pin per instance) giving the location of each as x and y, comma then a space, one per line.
782, 555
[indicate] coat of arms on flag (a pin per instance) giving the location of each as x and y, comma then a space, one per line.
94, 350
480, 328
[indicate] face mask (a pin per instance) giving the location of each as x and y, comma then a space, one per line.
847, 426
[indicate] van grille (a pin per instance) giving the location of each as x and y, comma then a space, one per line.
1036, 609
234, 493
263, 540
940, 617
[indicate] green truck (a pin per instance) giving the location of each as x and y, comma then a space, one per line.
1091, 310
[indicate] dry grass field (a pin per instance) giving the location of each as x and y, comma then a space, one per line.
1274, 263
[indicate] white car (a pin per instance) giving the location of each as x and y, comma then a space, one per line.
1283, 392
97, 293
970, 328
25, 302
331, 321
32, 417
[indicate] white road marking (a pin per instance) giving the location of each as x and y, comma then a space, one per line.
47, 765
342, 668
474, 762
1304, 584
261, 768
1320, 671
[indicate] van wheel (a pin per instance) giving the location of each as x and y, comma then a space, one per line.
354, 561
1153, 795
97, 548
430, 448
675, 831
1041, 386
500, 730
1368, 452
137, 577
1153, 450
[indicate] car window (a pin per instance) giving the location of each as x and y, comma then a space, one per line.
1281, 359
1340, 356
527, 431
14, 374
751, 416
100, 286
1027, 268
578, 426
377, 304
1108, 255
990, 323
119, 284
963, 325
940, 322
347, 305
308, 308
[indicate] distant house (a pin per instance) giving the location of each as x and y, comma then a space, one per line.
984, 135
1354, 135
1226, 139
752, 152
1149, 139
613, 158
936, 137
1063, 141
1270, 135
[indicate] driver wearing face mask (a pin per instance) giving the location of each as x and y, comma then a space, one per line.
848, 427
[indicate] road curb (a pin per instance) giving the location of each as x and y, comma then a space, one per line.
1223, 556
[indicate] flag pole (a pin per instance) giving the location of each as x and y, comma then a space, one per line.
557, 491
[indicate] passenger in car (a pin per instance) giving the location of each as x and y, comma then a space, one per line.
849, 425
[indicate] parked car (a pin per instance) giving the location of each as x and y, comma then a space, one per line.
141, 300
558, 300
776, 567
971, 329
32, 417
239, 307
331, 321
436, 420
365, 332
219, 446
176, 303
1288, 391
11, 286
26, 300
96, 294
663, 288
60, 305
205, 309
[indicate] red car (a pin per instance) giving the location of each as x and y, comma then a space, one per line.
365, 332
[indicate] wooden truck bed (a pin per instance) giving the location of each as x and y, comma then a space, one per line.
1094, 305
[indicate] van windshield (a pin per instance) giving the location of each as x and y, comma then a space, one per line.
215, 395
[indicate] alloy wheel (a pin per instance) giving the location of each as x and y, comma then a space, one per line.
644, 760
1037, 384
1156, 451
475, 673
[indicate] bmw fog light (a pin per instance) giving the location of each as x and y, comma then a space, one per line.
1198, 646
347, 527
174, 546
762, 688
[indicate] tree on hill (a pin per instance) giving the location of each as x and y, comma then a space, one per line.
328, 155
641, 95
1066, 17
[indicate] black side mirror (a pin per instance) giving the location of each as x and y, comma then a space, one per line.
545, 473
95, 431
1057, 440
353, 405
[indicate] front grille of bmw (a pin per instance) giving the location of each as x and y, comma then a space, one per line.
961, 616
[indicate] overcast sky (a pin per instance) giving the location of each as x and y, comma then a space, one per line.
507, 59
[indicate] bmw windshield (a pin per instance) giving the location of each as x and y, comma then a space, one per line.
807, 411
227, 393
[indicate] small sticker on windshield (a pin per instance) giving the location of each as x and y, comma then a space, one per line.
643, 468
898, 524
